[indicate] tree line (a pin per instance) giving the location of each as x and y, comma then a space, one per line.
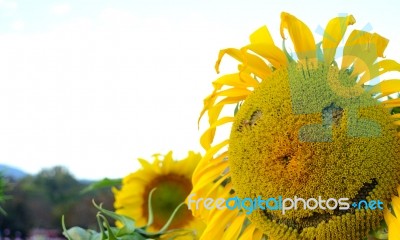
39, 202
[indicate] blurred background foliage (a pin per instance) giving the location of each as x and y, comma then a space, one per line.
39, 201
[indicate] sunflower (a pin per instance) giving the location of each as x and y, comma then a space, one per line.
307, 124
393, 222
170, 182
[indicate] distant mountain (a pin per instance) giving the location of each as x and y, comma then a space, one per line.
13, 172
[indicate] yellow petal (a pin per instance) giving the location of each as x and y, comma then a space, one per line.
250, 61
396, 206
262, 36
258, 234
234, 229
381, 67
145, 164
272, 53
397, 115
361, 51
386, 87
248, 232
167, 163
213, 150
235, 92
208, 102
391, 103
215, 228
246, 77
333, 34
208, 135
393, 225
301, 36
263, 44
208, 175
203, 164
218, 185
234, 80
213, 112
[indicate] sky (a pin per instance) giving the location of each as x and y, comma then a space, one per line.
93, 85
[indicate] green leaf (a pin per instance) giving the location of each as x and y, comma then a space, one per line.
129, 224
133, 236
77, 233
166, 226
150, 208
110, 231
106, 182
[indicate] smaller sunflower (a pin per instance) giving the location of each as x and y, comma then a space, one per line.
393, 221
172, 183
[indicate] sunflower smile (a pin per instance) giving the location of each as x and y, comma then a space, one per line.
316, 218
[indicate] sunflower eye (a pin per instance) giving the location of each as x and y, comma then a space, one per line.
248, 123
331, 115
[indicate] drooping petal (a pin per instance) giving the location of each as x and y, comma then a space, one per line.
397, 115
219, 221
333, 34
217, 185
386, 87
207, 137
208, 102
393, 224
209, 174
234, 229
396, 208
361, 51
234, 92
203, 164
391, 103
262, 36
384, 66
251, 61
248, 232
272, 53
234, 80
145, 164
301, 36
258, 234
214, 111
262, 43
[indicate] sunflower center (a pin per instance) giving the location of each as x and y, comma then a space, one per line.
311, 132
171, 190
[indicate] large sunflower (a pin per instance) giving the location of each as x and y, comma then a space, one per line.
171, 182
307, 124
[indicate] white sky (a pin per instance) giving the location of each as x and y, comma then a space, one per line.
92, 85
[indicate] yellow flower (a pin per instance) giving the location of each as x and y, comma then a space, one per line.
302, 127
393, 221
172, 183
